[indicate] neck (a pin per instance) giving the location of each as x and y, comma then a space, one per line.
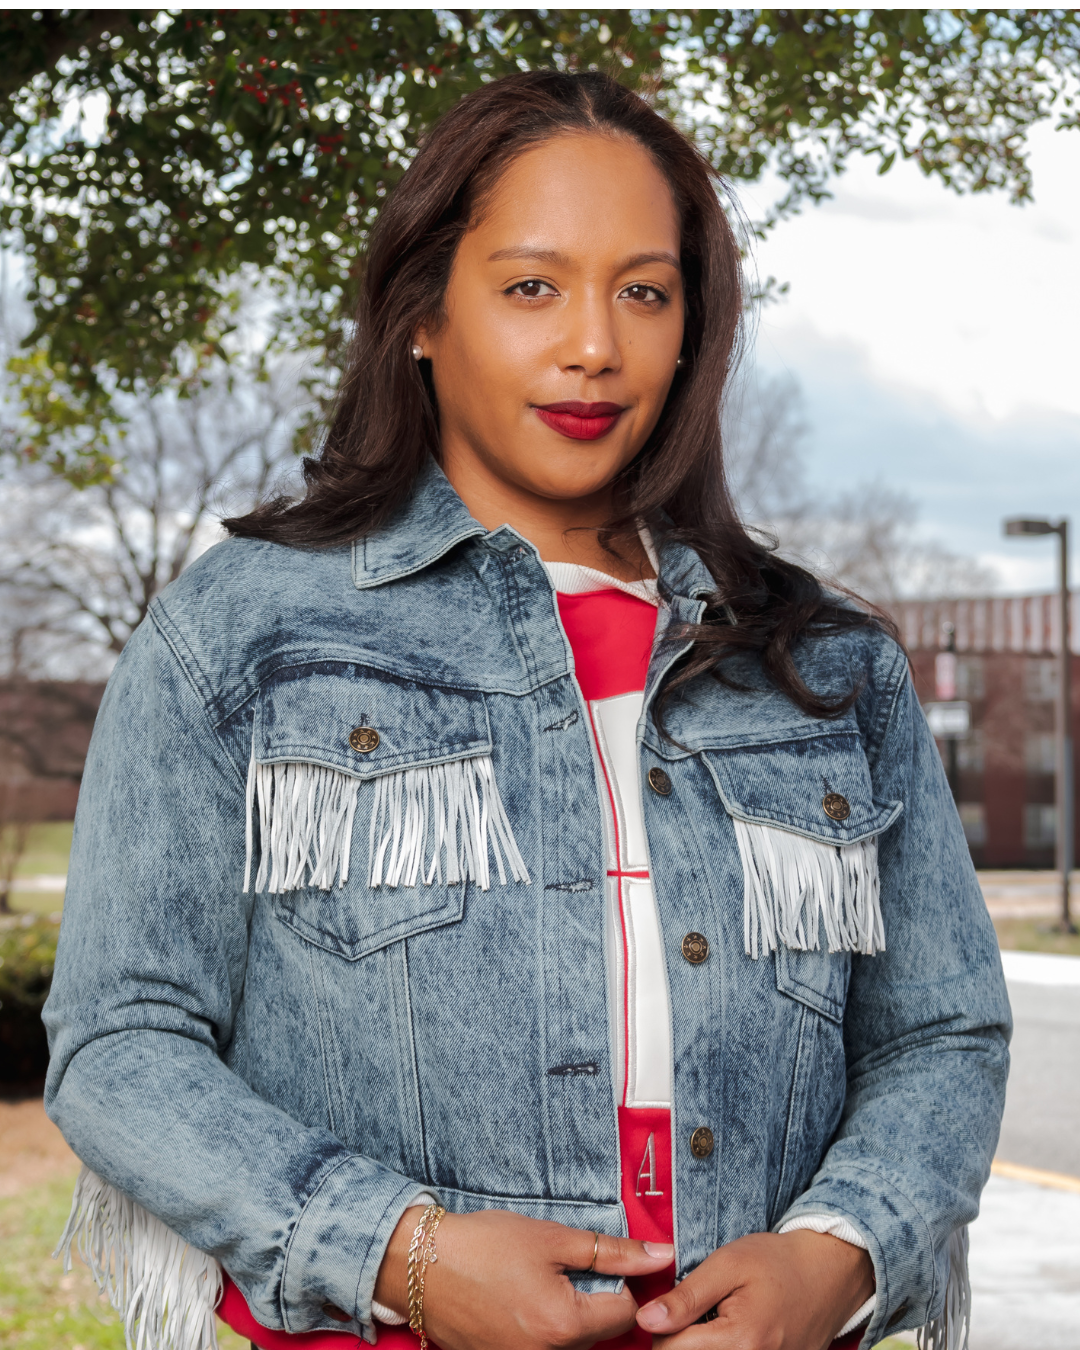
563, 529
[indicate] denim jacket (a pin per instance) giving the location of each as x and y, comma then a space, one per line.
277, 1065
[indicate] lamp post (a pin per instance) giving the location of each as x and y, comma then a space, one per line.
1022, 526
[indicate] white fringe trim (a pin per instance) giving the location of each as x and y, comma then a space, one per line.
164, 1289
950, 1330
792, 885
439, 823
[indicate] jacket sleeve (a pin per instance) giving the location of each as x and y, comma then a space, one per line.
143, 1012
926, 1036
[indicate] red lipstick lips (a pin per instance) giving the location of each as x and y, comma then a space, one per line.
580, 421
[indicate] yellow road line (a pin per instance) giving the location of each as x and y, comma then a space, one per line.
1058, 1181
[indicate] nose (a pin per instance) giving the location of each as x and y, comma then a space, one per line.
590, 342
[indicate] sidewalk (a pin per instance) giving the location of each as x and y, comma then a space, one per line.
1018, 894
1025, 1245
1025, 1268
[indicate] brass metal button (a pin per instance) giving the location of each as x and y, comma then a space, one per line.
836, 806
363, 739
660, 782
338, 1314
695, 947
897, 1315
702, 1142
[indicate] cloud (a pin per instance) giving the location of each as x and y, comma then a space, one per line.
969, 298
967, 470
934, 338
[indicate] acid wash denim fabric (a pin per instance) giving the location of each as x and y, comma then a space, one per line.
278, 1076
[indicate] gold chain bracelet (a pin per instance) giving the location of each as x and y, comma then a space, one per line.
421, 1255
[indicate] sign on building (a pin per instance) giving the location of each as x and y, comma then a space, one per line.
949, 721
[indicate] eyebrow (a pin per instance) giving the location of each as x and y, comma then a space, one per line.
557, 259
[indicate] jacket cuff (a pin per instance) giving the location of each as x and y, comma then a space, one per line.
336, 1249
896, 1235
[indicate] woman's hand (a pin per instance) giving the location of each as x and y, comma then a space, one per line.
771, 1292
500, 1281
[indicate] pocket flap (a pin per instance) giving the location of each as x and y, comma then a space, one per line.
307, 713
789, 784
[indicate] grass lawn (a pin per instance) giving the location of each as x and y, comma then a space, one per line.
1038, 935
46, 854
47, 849
41, 1308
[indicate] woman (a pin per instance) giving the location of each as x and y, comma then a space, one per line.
501, 826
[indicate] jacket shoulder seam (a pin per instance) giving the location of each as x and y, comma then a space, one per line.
887, 711
193, 673
185, 657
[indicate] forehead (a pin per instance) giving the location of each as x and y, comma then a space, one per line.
583, 191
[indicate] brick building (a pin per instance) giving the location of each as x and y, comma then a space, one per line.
1006, 667
45, 728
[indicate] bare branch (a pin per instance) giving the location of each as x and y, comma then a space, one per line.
78, 570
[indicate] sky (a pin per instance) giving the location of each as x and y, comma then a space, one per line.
935, 338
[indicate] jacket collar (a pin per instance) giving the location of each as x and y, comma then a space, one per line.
435, 519
430, 523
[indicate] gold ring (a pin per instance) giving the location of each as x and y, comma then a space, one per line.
595, 1249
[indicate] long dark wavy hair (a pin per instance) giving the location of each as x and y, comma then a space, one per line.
385, 423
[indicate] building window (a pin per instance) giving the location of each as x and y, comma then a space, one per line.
970, 754
1040, 679
1040, 826
970, 683
973, 819
1040, 752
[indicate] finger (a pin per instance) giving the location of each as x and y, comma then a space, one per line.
704, 1337
615, 1255
603, 1316
688, 1302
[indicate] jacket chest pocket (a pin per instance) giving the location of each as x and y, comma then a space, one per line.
817, 979
371, 801
806, 824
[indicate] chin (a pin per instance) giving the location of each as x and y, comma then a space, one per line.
567, 481
569, 488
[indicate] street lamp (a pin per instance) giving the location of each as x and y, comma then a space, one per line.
1022, 526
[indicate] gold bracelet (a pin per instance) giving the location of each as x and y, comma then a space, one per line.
421, 1255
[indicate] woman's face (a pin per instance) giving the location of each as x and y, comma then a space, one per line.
563, 322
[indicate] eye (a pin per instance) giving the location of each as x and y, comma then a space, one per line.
644, 294
533, 289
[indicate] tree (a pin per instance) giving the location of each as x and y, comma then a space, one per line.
152, 155
79, 568
866, 538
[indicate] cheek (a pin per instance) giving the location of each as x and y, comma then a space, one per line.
494, 351
649, 362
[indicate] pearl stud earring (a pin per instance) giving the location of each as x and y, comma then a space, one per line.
680, 362
417, 352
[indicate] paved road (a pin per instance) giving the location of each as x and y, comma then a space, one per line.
1025, 1245
1025, 1269
1042, 1107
